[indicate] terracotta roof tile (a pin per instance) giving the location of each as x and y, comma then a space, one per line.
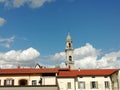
28, 71
88, 72
67, 74
61, 72
97, 72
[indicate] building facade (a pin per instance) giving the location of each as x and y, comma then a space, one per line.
88, 80
28, 76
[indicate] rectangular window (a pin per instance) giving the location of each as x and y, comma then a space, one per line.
69, 85
34, 82
81, 85
94, 85
105, 76
9, 82
107, 84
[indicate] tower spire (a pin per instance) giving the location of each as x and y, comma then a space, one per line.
69, 52
69, 37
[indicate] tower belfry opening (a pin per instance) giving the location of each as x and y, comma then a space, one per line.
69, 53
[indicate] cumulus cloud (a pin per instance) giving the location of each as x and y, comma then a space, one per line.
30, 3
86, 57
21, 57
110, 60
58, 56
6, 42
85, 51
2, 21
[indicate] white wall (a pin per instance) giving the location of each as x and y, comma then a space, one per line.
88, 80
29, 78
17, 78
48, 80
62, 82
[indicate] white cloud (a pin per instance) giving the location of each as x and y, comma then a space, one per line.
62, 65
6, 42
85, 51
38, 3
18, 3
2, 21
88, 62
58, 56
30, 3
21, 57
86, 57
110, 60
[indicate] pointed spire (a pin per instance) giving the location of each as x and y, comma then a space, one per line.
69, 37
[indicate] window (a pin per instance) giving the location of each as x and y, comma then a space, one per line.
69, 85
9, 82
94, 84
106, 84
69, 45
70, 58
81, 85
105, 76
34, 82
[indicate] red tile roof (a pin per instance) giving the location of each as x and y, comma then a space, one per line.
67, 74
97, 72
27, 71
88, 72
62, 72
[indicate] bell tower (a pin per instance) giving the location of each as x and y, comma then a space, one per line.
69, 53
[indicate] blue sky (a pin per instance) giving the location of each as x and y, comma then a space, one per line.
43, 25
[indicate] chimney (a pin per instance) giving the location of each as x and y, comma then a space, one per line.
18, 67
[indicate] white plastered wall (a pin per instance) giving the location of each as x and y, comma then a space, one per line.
88, 80
62, 82
29, 78
17, 78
